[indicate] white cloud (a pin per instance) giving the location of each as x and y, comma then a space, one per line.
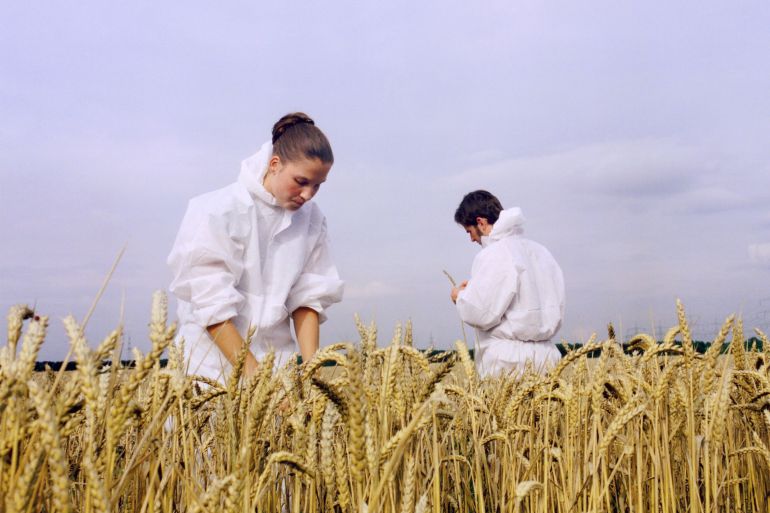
630, 169
369, 290
638, 175
759, 253
709, 200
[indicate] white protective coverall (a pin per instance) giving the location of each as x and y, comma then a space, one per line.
514, 298
240, 256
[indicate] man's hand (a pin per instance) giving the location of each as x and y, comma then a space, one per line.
456, 290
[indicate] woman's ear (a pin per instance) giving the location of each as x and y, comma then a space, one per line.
274, 164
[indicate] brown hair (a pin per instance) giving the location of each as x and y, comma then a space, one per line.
295, 137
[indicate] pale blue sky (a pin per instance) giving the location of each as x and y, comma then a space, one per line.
634, 137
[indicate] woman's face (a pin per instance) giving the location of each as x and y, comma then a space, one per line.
293, 183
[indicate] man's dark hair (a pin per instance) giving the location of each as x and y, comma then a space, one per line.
478, 204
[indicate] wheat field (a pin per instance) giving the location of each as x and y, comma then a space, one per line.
386, 429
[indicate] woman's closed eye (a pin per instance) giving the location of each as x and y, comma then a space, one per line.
304, 183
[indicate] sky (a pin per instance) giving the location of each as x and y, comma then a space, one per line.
634, 136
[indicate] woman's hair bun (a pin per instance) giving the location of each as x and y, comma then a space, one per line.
288, 121
295, 137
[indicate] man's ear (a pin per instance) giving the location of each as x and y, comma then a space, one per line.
481, 222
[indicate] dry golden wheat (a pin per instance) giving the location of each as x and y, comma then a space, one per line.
385, 429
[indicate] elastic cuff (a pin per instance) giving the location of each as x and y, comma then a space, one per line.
214, 314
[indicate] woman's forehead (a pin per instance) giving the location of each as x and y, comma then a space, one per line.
309, 168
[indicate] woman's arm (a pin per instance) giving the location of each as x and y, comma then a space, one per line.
307, 330
230, 342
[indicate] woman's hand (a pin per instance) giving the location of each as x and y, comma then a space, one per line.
230, 342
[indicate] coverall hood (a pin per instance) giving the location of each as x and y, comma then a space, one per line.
510, 222
253, 171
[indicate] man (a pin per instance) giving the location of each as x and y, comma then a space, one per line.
515, 296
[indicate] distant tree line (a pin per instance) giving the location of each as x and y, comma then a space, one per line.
700, 347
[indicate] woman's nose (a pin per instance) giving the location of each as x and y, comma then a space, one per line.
307, 193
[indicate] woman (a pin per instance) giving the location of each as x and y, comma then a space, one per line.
255, 253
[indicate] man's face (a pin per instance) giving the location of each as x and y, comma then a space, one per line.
480, 229
474, 233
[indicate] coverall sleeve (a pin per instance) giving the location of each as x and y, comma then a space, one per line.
319, 285
207, 262
490, 291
